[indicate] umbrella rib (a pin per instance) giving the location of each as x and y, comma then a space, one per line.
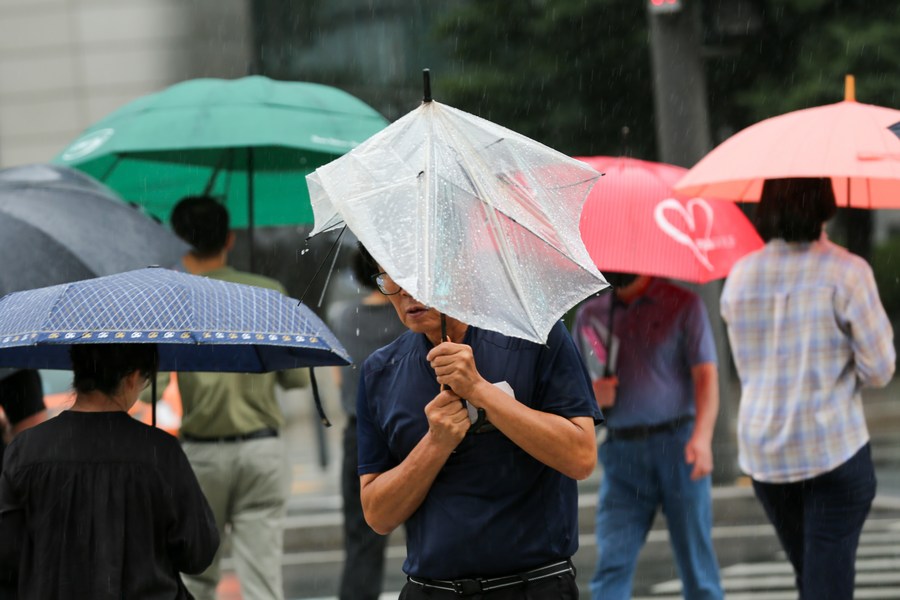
52, 309
429, 158
746, 188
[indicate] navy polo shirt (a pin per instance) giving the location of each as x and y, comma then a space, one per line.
493, 509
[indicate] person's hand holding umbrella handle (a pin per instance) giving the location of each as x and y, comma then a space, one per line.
454, 366
448, 420
446, 338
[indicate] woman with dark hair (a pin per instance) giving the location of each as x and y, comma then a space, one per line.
808, 332
94, 504
794, 210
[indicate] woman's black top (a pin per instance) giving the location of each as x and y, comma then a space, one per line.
99, 505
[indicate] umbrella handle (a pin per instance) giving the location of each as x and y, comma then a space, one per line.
607, 369
445, 338
317, 398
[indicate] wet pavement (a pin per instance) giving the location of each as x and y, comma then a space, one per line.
752, 563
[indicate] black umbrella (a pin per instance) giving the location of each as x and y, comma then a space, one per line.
57, 226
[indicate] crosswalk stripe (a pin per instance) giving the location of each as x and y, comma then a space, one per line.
778, 567
891, 593
877, 571
777, 582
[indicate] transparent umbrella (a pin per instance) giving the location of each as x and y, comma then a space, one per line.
468, 217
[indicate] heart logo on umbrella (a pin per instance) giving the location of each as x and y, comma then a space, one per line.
700, 246
623, 216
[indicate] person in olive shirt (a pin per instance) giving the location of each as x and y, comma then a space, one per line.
230, 426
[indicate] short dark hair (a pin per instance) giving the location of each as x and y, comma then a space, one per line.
794, 209
102, 367
22, 391
202, 222
365, 267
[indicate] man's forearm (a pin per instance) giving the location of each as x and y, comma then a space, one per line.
706, 398
567, 445
390, 498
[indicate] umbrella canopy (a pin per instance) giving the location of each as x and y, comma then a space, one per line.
848, 141
52, 175
633, 222
470, 218
199, 324
250, 141
58, 225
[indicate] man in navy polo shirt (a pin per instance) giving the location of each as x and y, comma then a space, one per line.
661, 401
486, 490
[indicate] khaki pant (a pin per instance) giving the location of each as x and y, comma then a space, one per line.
246, 484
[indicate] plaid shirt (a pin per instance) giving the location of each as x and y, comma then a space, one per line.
808, 331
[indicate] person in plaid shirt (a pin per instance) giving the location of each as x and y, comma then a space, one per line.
808, 332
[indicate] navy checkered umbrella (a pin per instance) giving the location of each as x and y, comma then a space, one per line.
198, 324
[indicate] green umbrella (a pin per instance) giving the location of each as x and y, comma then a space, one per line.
250, 142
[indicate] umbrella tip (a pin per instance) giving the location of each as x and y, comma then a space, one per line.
849, 88
426, 82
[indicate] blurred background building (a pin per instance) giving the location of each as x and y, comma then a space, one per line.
66, 63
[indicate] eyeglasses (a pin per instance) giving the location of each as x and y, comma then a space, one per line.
385, 284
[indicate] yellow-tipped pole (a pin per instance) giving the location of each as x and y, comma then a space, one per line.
849, 88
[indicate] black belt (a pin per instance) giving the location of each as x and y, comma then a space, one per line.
259, 434
478, 585
642, 432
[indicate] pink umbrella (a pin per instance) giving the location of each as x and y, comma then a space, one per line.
849, 141
633, 222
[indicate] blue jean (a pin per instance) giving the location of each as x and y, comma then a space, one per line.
640, 476
819, 521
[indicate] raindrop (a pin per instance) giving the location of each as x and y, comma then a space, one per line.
304, 251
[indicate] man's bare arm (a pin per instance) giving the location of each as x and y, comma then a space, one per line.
698, 451
390, 498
